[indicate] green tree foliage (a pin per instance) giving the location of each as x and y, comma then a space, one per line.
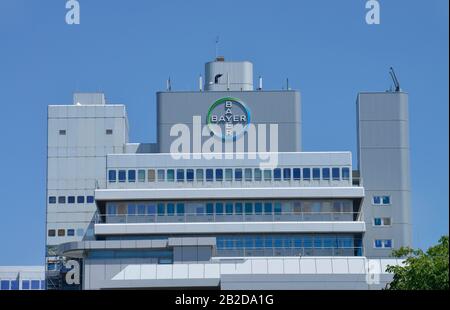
422, 270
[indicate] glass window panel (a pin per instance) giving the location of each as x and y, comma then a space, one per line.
62, 199
15, 285
71, 199
219, 208
377, 221
387, 221
131, 175
297, 173
71, 232
267, 175
170, 175
219, 175
199, 175
278, 242
61, 232
238, 174
248, 174
259, 242
180, 208
277, 174
52, 199
316, 173
35, 284
386, 200
170, 208
190, 175
307, 242
80, 199
161, 175
336, 174
277, 208
388, 243
4, 285
111, 210
131, 209
151, 209
228, 174
325, 173
161, 209
209, 175
268, 208
180, 175
151, 175
90, 199
238, 208
141, 209
112, 176
258, 207
378, 243
258, 174
346, 173
229, 208
141, 175
248, 242
122, 176
287, 174
376, 200
268, 242
248, 208
306, 174
209, 208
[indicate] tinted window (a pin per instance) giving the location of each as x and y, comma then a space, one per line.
35, 284
219, 208
248, 208
80, 199
25, 284
209, 208
238, 174
180, 208
228, 174
268, 208
122, 176
258, 208
180, 175
170, 175
219, 175
336, 174
209, 175
199, 175
267, 175
258, 175
131, 175
71, 232
286, 174
141, 176
161, 175
238, 208
277, 174
190, 175
297, 174
51, 233
170, 209
346, 173
90, 199
62, 199
306, 174
161, 209
386, 200
316, 173
248, 174
71, 199
52, 199
112, 176
326, 173
376, 200
229, 208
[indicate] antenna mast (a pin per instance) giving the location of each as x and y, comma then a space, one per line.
394, 79
217, 47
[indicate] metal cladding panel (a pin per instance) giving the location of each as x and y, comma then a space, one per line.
384, 164
271, 107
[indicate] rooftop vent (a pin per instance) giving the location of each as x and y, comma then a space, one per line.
220, 58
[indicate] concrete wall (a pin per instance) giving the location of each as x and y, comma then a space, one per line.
383, 159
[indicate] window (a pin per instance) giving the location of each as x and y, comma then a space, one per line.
336, 174
326, 173
112, 176
71, 232
62, 199
267, 175
52, 199
346, 173
161, 175
71, 199
238, 174
180, 208
277, 174
306, 174
131, 175
35, 284
15, 285
297, 174
43, 284
62, 132
258, 174
209, 209
51, 233
170, 209
141, 209
170, 175
109, 131
268, 208
382, 221
238, 208
258, 208
219, 208
161, 210
386, 200
383, 243
90, 199
209, 175
131, 209
376, 200
277, 208
381, 200
316, 173
248, 174
141, 176
4, 285
25, 284
180, 175
219, 175
190, 175
229, 208
287, 174
199, 175
80, 199
111, 210
61, 232
228, 174
122, 176
248, 208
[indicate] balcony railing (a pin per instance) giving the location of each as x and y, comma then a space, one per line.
212, 218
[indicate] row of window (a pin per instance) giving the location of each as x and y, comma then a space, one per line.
381, 200
26, 285
382, 243
228, 174
382, 221
65, 232
70, 199
230, 207
288, 241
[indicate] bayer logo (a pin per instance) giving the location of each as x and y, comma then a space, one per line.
228, 118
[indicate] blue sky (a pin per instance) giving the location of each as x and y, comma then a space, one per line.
127, 49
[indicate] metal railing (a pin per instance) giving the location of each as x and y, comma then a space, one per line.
214, 217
